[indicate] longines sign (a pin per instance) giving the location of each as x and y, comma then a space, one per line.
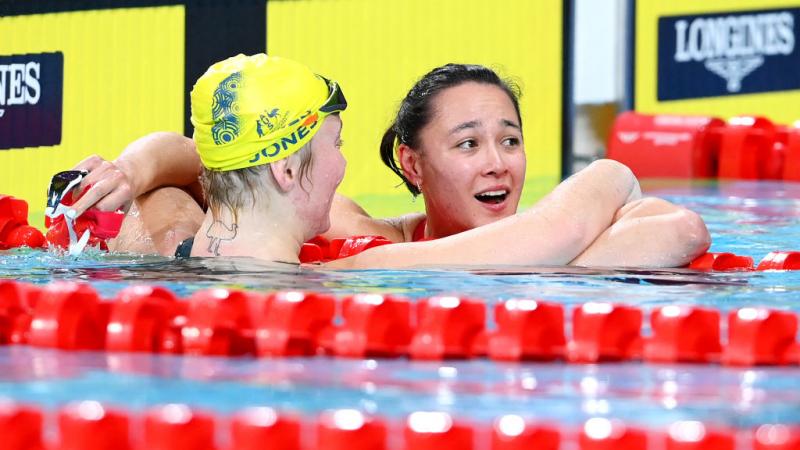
31, 99
728, 53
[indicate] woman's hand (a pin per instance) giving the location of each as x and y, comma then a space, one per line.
112, 186
156, 160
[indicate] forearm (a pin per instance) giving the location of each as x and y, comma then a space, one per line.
554, 232
160, 159
653, 233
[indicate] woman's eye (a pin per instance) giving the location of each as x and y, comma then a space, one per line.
511, 142
468, 144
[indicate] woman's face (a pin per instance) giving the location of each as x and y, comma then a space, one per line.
471, 160
325, 174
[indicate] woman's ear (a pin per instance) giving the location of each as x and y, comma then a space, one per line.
410, 163
285, 172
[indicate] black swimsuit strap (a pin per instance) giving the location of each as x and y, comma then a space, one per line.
184, 250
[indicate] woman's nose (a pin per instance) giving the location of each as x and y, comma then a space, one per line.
495, 162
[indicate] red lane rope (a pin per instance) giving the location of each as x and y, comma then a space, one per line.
90, 425
226, 322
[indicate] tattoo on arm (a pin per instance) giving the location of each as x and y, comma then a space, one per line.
220, 231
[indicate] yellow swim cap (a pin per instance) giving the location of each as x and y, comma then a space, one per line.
253, 110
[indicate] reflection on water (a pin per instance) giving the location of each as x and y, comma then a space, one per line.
745, 218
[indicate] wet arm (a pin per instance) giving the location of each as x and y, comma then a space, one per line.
156, 160
554, 232
649, 233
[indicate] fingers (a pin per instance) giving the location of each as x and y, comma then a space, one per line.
119, 198
90, 163
110, 188
111, 192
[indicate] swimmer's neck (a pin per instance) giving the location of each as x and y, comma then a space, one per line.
436, 226
268, 234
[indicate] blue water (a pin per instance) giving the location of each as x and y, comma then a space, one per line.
745, 218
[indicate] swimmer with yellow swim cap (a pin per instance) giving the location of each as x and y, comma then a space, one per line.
268, 133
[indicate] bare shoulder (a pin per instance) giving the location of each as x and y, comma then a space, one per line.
348, 218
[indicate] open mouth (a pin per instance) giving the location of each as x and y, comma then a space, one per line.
492, 197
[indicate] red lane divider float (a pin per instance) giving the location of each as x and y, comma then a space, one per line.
20, 427
610, 434
527, 330
374, 326
691, 435
90, 425
780, 261
349, 429
605, 332
251, 428
143, 319
677, 146
512, 432
760, 336
449, 327
222, 322
776, 437
292, 324
722, 262
684, 334
14, 229
727, 262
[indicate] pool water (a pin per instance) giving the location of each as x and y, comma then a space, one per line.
746, 218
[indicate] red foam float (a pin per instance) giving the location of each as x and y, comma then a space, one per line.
90, 426
722, 262
791, 153
140, 320
761, 336
664, 145
220, 322
745, 146
527, 330
374, 326
437, 431
20, 427
512, 432
605, 332
605, 434
176, 427
780, 261
261, 428
690, 435
448, 327
17, 301
349, 429
68, 316
776, 437
14, 229
684, 334
292, 323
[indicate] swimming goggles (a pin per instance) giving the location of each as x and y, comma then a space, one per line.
61, 184
336, 101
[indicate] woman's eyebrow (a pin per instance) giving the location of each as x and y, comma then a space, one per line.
466, 125
509, 123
